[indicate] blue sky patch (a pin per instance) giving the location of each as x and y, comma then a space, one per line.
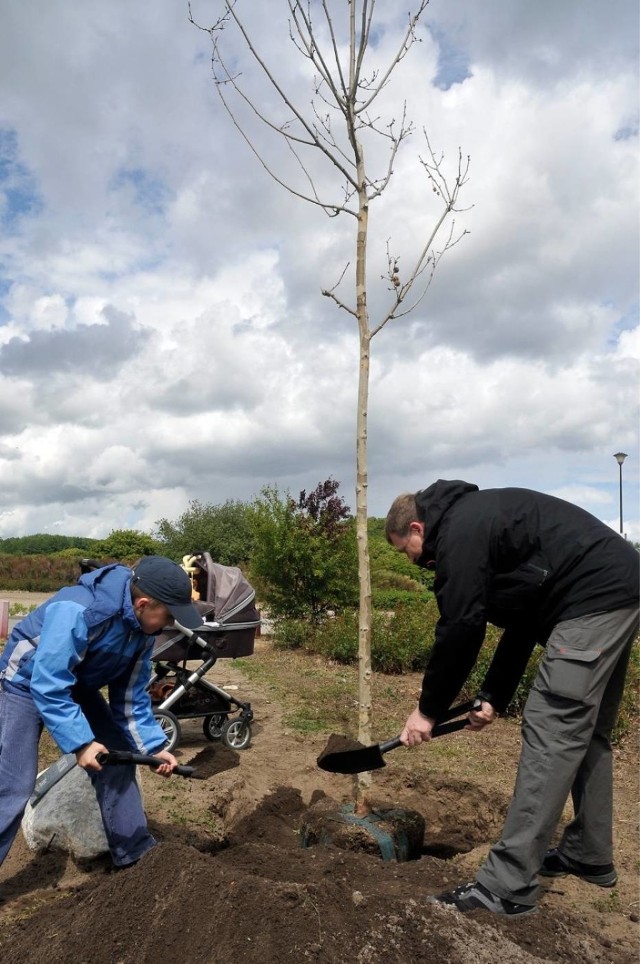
453, 65
149, 193
626, 322
19, 196
626, 133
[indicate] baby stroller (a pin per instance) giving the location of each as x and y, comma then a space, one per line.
227, 603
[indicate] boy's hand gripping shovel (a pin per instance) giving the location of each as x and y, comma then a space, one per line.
371, 757
124, 756
54, 773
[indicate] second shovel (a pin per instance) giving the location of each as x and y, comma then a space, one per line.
366, 758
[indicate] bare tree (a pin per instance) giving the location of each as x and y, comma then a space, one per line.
331, 126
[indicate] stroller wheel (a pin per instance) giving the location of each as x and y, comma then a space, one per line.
170, 727
236, 734
212, 725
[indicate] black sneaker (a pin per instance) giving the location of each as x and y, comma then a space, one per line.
475, 896
556, 864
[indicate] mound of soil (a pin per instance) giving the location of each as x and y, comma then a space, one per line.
262, 897
230, 879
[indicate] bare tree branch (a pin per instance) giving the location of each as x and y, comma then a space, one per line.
405, 45
330, 292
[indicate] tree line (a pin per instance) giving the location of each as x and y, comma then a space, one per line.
298, 552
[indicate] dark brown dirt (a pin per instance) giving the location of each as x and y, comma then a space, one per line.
262, 898
230, 879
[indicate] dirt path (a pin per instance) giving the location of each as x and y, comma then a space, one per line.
230, 879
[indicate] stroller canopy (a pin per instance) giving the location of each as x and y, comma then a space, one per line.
224, 588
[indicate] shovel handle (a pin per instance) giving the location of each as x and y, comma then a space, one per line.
460, 710
440, 729
446, 724
124, 756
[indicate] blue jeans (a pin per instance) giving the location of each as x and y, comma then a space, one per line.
116, 788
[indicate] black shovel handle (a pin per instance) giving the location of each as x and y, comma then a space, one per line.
446, 723
124, 756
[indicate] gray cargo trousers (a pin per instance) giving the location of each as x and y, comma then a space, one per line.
566, 729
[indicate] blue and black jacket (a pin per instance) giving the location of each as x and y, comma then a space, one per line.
85, 634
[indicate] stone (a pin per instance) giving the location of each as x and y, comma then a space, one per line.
67, 818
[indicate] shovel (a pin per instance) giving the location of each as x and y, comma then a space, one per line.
54, 773
124, 756
367, 758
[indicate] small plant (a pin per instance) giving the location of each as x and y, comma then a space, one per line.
611, 904
390, 599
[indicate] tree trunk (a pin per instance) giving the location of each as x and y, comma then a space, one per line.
362, 535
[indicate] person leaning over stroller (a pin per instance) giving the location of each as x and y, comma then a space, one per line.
549, 573
97, 633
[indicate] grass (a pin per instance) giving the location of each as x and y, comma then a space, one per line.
611, 904
305, 721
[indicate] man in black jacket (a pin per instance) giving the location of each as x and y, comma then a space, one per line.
546, 572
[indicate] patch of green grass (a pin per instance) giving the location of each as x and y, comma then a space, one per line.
611, 904
208, 822
254, 669
305, 721
178, 818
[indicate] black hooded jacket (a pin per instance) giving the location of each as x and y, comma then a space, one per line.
520, 560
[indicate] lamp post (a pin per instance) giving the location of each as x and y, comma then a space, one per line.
620, 457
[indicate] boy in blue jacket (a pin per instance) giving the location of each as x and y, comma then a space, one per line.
98, 633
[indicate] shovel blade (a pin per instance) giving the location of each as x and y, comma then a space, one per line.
352, 761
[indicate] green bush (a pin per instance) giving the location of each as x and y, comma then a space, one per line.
45, 544
127, 545
225, 531
387, 579
37, 573
390, 599
290, 633
19, 610
304, 562
337, 638
400, 641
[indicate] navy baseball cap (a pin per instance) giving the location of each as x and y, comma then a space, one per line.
166, 581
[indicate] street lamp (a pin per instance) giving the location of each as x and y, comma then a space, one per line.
620, 457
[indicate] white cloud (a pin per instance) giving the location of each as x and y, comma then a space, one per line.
162, 332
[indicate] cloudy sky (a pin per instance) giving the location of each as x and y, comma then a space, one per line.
163, 333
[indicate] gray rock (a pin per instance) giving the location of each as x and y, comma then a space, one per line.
67, 818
